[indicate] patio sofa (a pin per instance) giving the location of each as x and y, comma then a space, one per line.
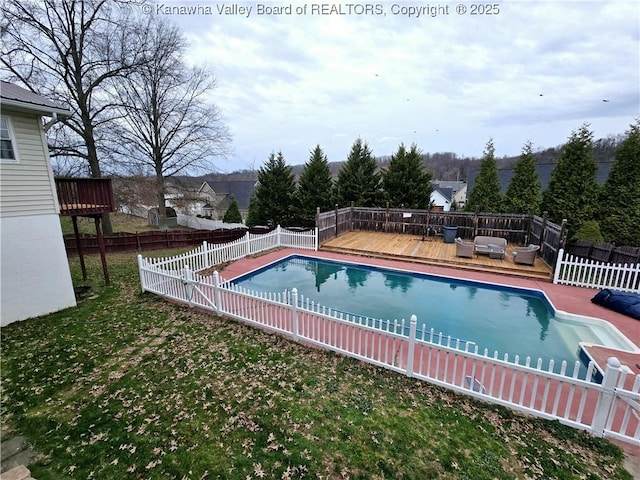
495, 247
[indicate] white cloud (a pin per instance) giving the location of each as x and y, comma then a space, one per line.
447, 82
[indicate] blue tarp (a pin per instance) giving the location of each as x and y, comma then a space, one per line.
622, 302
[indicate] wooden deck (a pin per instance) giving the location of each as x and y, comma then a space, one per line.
431, 251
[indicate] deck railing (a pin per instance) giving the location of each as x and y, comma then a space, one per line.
608, 409
85, 196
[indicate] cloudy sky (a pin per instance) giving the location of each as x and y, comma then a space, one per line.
446, 80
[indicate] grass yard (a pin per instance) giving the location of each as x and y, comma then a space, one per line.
130, 386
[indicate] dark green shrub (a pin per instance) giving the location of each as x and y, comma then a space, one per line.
589, 231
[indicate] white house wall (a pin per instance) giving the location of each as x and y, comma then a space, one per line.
439, 201
34, 273
26, 187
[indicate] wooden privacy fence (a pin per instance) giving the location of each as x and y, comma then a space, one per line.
515, 228
583, 272
154, 240
603, 252
609, 409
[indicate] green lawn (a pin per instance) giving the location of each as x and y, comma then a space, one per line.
130, 386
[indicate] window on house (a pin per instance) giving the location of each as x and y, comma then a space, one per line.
8, 153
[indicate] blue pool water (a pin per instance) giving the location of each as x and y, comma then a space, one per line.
499, 318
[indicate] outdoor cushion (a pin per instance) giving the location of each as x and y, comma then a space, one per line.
626, 303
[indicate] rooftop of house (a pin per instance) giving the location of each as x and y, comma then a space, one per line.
454, 185
13, 96
240, 189
446, 192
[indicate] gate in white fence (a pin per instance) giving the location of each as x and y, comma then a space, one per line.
582, 272
610, 409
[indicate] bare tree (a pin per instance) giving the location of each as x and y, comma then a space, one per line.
68, 50
167, 121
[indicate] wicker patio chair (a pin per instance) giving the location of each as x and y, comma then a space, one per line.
464, 249
525, 255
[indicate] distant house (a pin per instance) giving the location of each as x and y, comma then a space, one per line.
34, 274
447, 193
211, 198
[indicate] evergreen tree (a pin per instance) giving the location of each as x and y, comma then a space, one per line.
620, 197
275, 193
252, 213
486, 195
572, 192
358, 180
232, 215
315, 188
406, 183
524, 194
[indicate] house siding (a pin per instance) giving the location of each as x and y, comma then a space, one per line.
27, 188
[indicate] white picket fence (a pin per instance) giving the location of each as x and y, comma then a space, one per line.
582, 272
610, 409
206, 255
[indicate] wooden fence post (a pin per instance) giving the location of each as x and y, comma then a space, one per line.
247, 246
475, 223
563, 233
412, 345
353, 205
336, 217
605, 400
386, 219
543, 231
529, 228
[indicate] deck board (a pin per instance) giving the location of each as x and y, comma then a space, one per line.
430, 250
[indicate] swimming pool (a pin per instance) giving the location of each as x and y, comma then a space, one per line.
499, 318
